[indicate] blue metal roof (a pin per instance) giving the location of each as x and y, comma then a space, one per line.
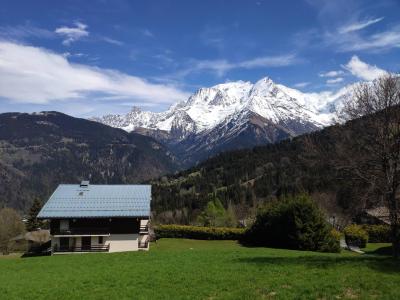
93, 201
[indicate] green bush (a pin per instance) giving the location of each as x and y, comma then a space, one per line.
355, 235
332, 243
198, 233
378, 233
215, 215
293, 223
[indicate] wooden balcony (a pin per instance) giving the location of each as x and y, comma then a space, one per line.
92, 248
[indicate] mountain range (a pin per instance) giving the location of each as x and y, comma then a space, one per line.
40, 150
230, 116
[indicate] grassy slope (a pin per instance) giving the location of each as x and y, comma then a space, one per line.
189, 269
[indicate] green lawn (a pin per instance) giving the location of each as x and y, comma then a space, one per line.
189, 269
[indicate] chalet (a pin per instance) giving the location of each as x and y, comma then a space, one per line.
378, 215
98, 218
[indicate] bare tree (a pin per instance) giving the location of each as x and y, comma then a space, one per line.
372, 148
11, 225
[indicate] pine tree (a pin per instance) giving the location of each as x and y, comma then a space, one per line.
33, 223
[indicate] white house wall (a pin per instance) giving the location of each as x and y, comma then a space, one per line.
123, 242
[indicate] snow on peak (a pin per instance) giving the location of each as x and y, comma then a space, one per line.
209, 107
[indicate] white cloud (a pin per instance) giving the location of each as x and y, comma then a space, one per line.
72, 34
358, 25
355, 41
334, 80
350, 37
112, 41
214, 36
380, 41
147, 32
268, 61
35, 75
301, 84
220, 67
331, 73
69, 54
22, 32
363, 70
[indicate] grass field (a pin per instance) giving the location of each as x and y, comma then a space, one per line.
190, 269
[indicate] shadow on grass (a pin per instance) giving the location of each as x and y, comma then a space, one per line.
378, 263
35, 254
387, 251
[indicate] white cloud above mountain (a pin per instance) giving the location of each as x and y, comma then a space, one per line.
347, 26
36, 75
331, 73
221, 66
362, 70
335, 80
301, 84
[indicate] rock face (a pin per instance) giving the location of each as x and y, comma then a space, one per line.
40, 151
231, 116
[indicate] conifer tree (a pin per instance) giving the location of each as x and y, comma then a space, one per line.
33, 223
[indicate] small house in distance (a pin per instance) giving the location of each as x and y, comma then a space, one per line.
98, 218
378, 216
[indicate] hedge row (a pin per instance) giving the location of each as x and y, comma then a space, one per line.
378, 233
198, 233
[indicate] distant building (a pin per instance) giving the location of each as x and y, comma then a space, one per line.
98, 218
36, 240
377, 215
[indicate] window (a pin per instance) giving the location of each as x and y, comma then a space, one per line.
64, 225
100, 240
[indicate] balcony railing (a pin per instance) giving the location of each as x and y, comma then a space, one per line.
144, 229
92, 248
82, 231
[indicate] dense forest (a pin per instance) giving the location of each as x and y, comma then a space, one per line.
247, 179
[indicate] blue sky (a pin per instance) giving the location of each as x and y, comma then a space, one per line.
89, 58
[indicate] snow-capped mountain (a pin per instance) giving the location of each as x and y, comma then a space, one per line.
230, 116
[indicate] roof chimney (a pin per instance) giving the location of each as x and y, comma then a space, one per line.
84, 184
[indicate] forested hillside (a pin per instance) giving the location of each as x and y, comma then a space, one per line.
247, 179
40, 151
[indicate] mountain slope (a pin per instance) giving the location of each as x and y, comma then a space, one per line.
243, 130
39, 151
247, 179
231, 116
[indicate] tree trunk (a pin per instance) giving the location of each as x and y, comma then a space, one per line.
394, 221
395, 233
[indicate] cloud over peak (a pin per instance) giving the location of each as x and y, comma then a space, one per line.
363, 70
221, 66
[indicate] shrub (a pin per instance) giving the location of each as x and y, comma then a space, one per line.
378, 233
355, 235
198, 233
293, 223
332, 243
215, 215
